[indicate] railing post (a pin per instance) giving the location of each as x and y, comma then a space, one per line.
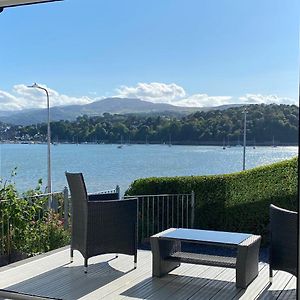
66, 208
54, 203
137, 221
118, 191
193, 209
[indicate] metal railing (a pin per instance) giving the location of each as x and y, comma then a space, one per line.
155, 213
60, 204
4, 228
159, 212
116, 190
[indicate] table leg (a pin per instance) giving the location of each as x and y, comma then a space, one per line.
160, 250
247, 261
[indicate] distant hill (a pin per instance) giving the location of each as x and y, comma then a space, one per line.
266, 125
97, 108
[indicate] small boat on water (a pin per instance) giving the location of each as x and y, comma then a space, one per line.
121, 145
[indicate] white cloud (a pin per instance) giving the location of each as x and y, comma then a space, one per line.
8, 101
176, 95
267, 99
156, 92
22, 97
203, 100
171, 94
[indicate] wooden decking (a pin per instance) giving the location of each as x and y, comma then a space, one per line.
114, 278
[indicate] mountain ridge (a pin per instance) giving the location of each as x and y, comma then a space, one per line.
108, 105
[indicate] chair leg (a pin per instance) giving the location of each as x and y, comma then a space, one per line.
135, 261
85, 265
270, 275
71, 255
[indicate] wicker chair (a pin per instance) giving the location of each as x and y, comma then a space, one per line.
283, 244
101, 225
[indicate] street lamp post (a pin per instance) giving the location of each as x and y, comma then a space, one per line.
244, 150
49, 186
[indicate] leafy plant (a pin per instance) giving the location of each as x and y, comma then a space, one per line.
27, 225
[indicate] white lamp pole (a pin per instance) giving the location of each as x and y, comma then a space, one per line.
49, 186
244, 150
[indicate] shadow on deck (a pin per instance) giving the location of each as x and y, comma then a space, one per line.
114, 278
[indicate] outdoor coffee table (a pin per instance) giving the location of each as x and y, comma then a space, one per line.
167, 254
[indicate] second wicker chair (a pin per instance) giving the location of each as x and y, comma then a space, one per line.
283, 243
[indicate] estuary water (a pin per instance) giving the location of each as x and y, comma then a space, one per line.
105, 166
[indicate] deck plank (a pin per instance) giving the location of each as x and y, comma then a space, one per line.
114, 278
214, 286
155, 288
260, 283
177, 282
229, 291
273, 291
204, 277
142, 272
151, 285
289, 291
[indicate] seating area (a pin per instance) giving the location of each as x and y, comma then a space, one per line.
104, 233
105, 224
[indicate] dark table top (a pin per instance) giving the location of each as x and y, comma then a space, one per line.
205, 236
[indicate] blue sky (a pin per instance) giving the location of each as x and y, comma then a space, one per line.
196, 53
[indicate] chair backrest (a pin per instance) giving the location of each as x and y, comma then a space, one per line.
283, 247
79, 202
103, 197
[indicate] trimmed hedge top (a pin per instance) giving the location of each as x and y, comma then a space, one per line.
232, 202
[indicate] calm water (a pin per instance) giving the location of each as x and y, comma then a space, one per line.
104, 166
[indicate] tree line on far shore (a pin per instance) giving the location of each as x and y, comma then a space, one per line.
265, 123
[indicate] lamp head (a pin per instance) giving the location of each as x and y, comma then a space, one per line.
35, 85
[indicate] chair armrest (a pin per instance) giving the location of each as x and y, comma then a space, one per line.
103, 197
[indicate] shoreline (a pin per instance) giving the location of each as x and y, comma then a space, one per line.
206, 143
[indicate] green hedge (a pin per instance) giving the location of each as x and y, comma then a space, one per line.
232, 202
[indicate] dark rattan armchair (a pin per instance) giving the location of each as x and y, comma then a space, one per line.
101, 225
283, 243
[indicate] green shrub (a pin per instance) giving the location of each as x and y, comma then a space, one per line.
27, 226
232, 202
